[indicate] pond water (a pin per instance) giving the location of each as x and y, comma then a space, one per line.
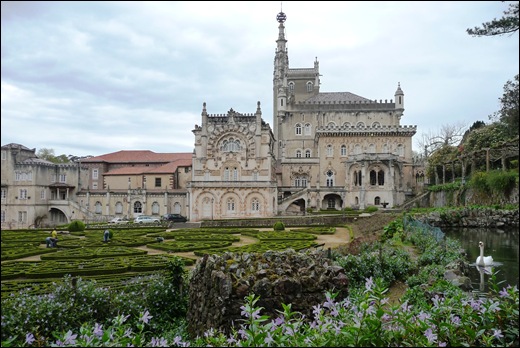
500, 243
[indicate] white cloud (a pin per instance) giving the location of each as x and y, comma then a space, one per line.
98, 77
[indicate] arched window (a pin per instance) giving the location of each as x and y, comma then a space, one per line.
119, 208
138, 207
307, 153
330, 152
298, 129
235, 174
373, 177
298, 153
385, 148
231, 205
226, 174
155, 208
255, 205
357, 149
291, 87
381, 178
357, 178
330, 178
343, 150
176, 208
310, 86
98, 207
231, 145
371, 148
307, 129
377, 200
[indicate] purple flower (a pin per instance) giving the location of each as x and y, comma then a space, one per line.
177, 340
503, 293
159, 342
430, 336
455, 320
316, 310
98, 331
269, 339
231, 340
29, 339
279, 321
146, 317
497, 334
369, 283
70, 339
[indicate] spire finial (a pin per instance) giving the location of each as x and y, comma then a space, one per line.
281, 17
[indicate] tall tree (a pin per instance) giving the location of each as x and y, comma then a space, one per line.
508, 113
508, 24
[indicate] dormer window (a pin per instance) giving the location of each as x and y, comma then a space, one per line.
291, 87
310, 86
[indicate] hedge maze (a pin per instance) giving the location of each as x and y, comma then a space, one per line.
122, 258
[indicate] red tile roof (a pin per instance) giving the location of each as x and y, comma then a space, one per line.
139, 156
164, 169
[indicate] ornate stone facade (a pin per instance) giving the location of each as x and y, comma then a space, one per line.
336, 150
233, 173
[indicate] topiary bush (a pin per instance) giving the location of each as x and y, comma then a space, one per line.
76, 226
279, 226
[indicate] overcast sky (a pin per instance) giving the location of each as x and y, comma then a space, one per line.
91, 78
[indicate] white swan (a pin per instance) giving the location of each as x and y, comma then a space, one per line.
483, 260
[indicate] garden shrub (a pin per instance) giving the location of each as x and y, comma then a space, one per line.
76, 226
279, 226
371, 209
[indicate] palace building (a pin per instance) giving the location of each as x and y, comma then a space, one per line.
325, 150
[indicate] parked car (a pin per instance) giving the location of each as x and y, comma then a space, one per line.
118, 221
174, 218
144, 219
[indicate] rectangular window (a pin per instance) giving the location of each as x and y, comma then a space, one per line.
4, 194
157, 182
95, 174
63, 178
22, 216
42, 195
94, 185
3, 215
23, 194
17, 176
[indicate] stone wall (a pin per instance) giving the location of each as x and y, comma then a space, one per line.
219, 284
476, 217
289, 221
